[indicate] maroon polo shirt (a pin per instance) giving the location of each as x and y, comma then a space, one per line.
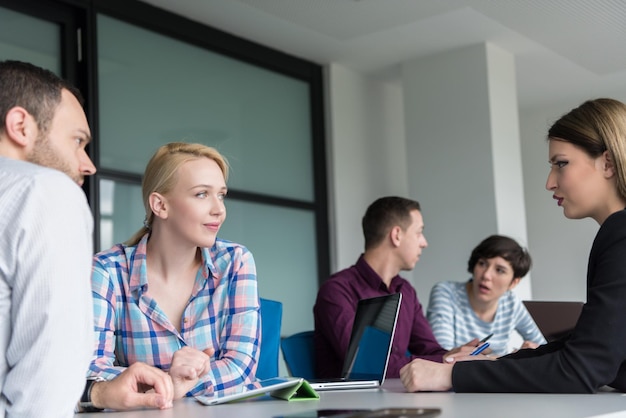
334, 312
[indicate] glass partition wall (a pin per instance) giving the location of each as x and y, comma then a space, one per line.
151, 77
42, 47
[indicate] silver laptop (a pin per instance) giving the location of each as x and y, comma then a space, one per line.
554, 319
370, 345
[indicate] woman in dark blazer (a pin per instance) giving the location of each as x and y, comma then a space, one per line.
587, 153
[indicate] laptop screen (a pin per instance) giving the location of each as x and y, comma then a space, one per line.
372, 336
555, 319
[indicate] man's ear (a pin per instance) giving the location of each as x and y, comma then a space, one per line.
20, 127
158, 204
395, 235
608, 165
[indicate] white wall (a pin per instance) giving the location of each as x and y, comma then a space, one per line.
450, 160
365, 149
464, 157
559, 246
506, 153
367, 158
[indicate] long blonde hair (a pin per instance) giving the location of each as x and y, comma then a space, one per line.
160, 175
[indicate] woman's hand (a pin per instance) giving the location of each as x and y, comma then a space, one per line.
529, 344
425, 375
463, 352
188, 365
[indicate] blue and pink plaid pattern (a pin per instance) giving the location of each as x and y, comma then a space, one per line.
222, 312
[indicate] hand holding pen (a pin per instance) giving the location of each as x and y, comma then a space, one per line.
480, 349
484, 345
467, 351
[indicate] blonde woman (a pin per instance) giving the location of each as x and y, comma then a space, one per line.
175, 296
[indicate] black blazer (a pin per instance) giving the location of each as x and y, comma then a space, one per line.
593, 355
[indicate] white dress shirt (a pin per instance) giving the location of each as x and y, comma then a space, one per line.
46, 318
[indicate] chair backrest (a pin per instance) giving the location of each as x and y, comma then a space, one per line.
299, 354
271, 319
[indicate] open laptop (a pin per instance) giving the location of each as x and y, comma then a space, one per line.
555, 319
370, 344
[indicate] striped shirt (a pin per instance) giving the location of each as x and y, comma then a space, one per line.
454, 322
222, 312
46, 327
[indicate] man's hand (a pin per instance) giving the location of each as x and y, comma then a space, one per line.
127, 391
188, 365
424, 375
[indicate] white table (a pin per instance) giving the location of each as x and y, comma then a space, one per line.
453, 405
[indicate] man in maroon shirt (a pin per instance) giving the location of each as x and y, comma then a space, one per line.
394, 239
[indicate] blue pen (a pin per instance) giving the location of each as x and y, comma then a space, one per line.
479, 349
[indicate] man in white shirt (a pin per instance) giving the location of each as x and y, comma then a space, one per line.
46, 323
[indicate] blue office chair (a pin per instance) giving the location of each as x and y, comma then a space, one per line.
299, 354
271, 319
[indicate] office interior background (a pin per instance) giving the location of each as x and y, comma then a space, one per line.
323, 106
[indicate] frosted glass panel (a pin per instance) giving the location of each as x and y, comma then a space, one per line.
121, 212
258, 119
281, 241
26, 38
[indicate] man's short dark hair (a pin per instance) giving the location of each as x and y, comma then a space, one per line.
35, 89
384, 214
505, 247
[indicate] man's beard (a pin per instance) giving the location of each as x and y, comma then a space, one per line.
44, 154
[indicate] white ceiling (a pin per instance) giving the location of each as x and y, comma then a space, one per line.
564, 49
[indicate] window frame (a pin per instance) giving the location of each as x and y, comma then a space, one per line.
78, 18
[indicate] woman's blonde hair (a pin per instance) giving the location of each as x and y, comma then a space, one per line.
597, 126
160, 175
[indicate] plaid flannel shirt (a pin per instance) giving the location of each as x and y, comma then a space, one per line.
222, 312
